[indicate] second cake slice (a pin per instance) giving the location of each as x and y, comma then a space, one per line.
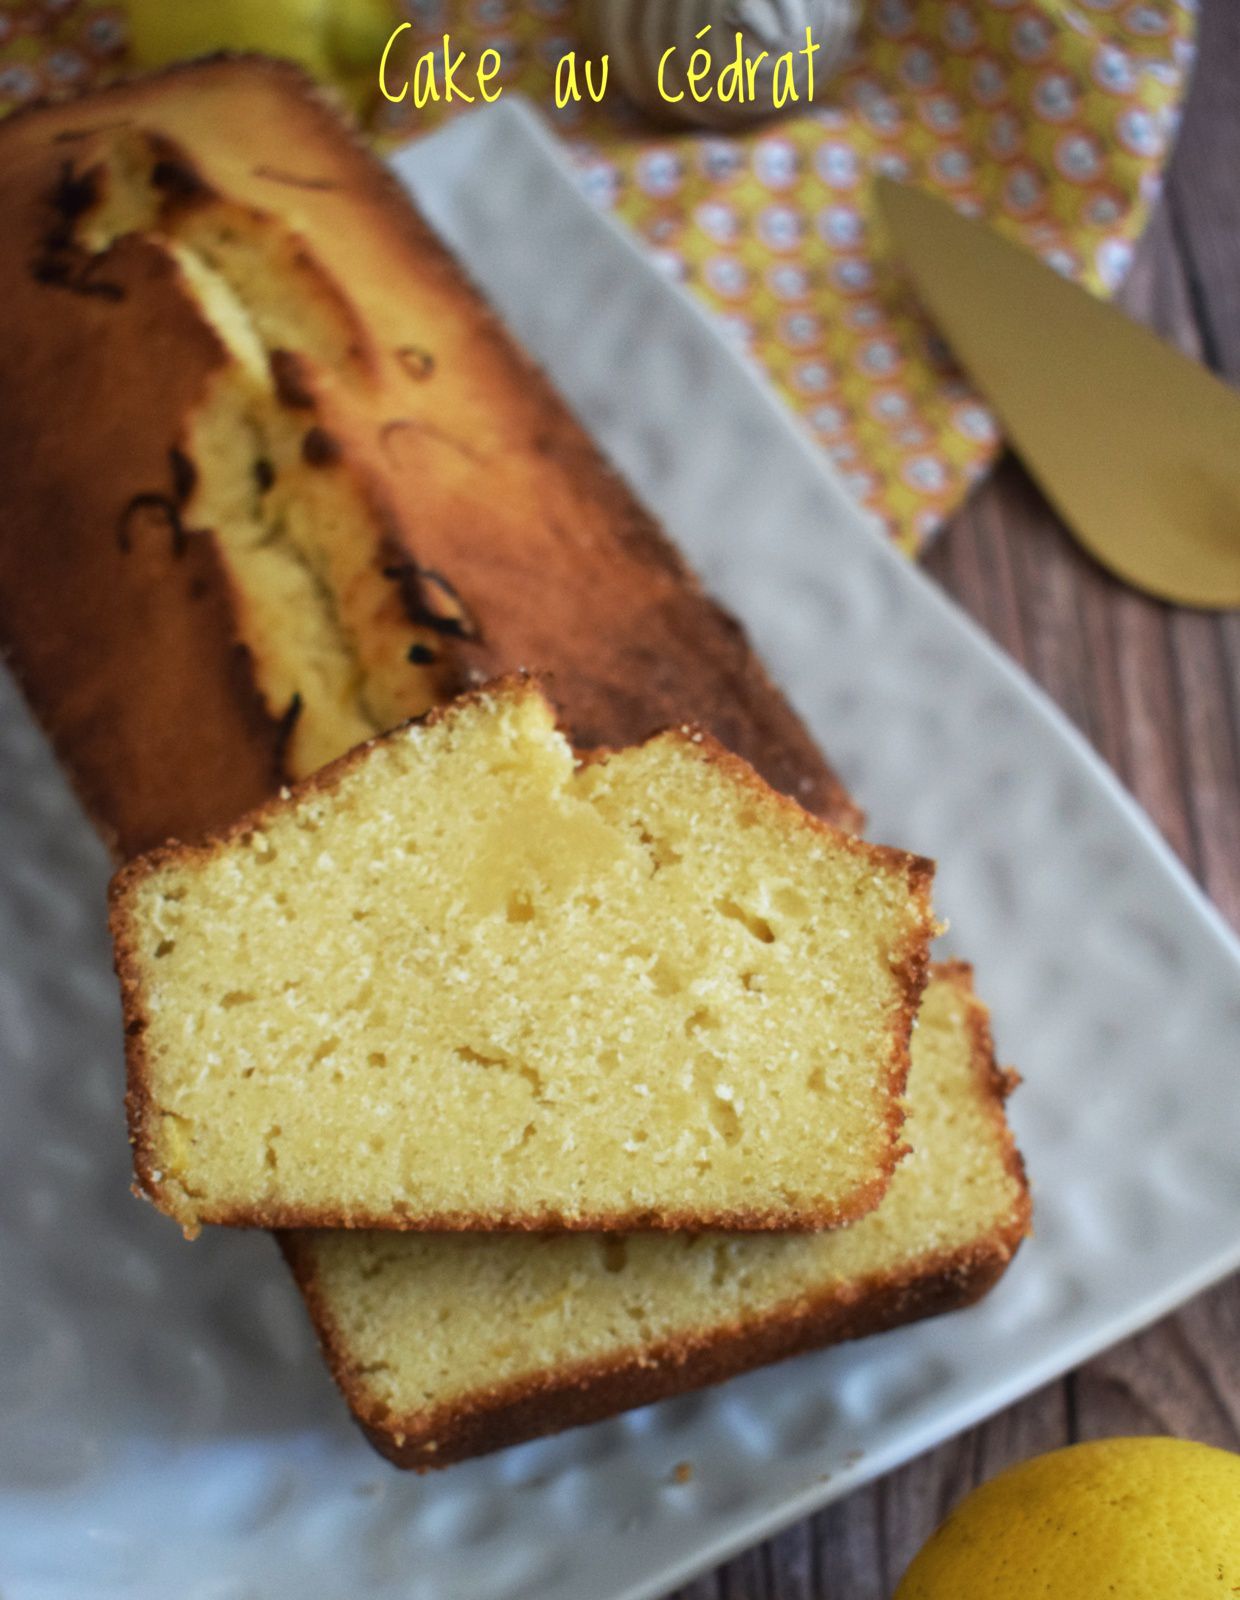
461, 979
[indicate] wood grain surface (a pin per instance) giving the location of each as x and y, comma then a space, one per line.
1157, 691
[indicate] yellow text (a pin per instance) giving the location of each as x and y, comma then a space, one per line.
567, 85
435, 75
737, 78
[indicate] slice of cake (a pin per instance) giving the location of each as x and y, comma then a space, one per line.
447, 1347
463, 980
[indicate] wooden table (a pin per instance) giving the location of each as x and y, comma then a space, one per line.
1157, 691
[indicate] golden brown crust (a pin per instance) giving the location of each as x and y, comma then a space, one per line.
263, 1214
119, 633
128, 649
142, 1110
567, 1397
1000, 1082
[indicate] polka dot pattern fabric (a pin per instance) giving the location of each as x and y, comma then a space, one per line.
1050, 118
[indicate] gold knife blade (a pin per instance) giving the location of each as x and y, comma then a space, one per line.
1136, 446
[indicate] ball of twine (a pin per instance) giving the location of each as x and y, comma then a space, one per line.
636, 33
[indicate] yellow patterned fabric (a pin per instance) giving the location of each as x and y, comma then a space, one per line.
1053, 118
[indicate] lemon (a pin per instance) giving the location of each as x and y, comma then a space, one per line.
357, 31
330, 37
1145, 1519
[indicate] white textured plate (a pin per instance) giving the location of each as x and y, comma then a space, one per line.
165, 1425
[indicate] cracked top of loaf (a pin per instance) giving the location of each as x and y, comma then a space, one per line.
273, 478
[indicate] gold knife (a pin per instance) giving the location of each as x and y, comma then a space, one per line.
1136, 446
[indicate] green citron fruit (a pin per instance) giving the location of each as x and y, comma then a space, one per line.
1117, 1519
357, 31
333, 38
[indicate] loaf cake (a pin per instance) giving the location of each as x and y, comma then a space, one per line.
461, 980
274, 479
449, 1346
240, 379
